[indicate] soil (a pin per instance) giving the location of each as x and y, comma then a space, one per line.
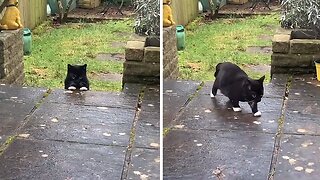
259, 49
96, 14
111, 57
106, 76
245, 8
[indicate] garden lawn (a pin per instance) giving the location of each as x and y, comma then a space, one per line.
209, 43
76, 43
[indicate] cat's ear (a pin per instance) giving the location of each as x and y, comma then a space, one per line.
85, 66
262, 79
69, 66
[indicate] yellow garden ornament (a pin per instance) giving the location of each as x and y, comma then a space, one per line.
167, 14
11, 19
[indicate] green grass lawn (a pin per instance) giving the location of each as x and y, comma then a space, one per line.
208, 43
75, 43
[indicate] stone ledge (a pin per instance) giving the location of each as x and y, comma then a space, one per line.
141, 69
281, 43
304, 46
290, 60
134, 50
152, 54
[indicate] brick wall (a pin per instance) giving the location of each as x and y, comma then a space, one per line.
170, 54
294, 55
142, 63
11, 57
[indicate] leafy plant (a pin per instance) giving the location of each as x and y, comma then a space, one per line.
301, 14
147, 20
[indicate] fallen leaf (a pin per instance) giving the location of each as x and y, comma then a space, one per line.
194, 66
14, 97
156, 145
308, 170
292, 161
286, 157
169, 91
54, 120
136, 172
157, 160
180, 126
144, 177
306, 144
102, 108
207, 111
106, 134
301, 130
24, 135
297, 94
121, 134
199, 144
44, 155
150, 105
310, 164
298, 168
256, 122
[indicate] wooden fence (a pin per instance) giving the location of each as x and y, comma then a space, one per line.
33, 12
184, 11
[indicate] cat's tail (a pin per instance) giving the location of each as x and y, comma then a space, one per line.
217, 70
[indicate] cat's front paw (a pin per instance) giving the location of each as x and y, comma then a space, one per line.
72, 88
212, 95
83, 89
257, 114
236, 109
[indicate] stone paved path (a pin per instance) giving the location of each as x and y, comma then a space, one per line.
205, 139
54, 134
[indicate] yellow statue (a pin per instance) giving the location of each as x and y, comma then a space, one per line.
167, 14
11, 18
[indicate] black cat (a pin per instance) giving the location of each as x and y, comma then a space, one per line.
77, 78
234, 83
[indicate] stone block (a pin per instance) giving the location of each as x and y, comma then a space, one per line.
305, 46
292, 70
293, 60
170, 68
141, 69
152, 54
281, 43
134, 50
136, 37
141, 79
10, 37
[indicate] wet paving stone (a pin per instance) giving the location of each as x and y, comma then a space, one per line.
299, 158
94, 98
86, 124
148, 130
208, 113
302, 117
175, 95
145, 164
305, 87
151, 99
15, 104
196, 154
28, 159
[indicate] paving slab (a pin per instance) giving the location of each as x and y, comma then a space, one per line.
175, 95
145, 164
302, 116
94, 98
85, 124
132, 89
151, 99
148, 130
29, 159
15, 104
196, 154
204, 112
304, 87
299, 158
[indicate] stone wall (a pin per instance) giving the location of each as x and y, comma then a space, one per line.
142, 63
11, 57
170, 54
294, 54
